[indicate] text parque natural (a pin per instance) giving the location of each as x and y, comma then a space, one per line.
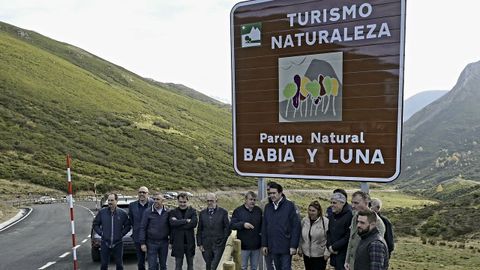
335, 156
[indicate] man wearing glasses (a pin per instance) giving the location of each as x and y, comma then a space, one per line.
154, 233
135, 212
213, 231
111, 223
183, 221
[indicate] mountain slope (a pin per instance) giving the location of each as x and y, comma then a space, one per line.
121, 130
442, 140
189, 92
419, 101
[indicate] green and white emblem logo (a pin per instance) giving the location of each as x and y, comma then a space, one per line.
251, 35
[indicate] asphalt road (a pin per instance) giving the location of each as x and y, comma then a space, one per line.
43, 241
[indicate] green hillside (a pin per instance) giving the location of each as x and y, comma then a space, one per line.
454, 217
122, 130
441, 142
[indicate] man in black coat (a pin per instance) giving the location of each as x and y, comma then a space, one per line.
376, 206
339, 230
212, 232
247, 220
183, 221
135, 212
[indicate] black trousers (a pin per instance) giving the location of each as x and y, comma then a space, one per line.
212, 257
314, 263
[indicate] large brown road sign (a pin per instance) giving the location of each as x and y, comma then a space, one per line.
318, 88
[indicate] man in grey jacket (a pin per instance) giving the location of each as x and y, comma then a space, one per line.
111, 223
360, 202
212, 232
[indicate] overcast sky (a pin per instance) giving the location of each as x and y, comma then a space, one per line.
188, 41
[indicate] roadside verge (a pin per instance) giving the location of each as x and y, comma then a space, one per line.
21, 215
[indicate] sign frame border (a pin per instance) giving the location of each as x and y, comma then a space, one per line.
322, 177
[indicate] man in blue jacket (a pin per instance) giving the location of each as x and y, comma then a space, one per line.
280, 229
154, 233
247, 220
135, 212
111, 223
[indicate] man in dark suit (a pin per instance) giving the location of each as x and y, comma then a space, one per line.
213, 231
183, 221
135, 212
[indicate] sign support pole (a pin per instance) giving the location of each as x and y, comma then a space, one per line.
364, 187
70, 202
261, 196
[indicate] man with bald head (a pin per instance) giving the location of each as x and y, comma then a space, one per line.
212, 232
135, 212
376, 206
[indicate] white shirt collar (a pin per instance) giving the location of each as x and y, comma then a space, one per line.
275, 205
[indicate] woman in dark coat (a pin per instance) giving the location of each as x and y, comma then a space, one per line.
183, 221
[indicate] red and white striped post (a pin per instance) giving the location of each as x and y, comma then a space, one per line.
70, 202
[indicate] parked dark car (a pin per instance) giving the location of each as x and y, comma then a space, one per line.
128, 244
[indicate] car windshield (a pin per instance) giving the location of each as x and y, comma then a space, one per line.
123, 206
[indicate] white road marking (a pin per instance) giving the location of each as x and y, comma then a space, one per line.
30, 210
47, 265
89, 236
64, 255
87, 209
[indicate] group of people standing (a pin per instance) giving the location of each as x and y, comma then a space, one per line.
349, 236
156, 229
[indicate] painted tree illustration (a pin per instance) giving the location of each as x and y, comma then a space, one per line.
313, 88
323, 92
296, 98
335, 88
304, 94
327, 83
289, 91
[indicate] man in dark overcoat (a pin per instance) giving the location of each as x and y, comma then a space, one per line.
183, 221
213, 231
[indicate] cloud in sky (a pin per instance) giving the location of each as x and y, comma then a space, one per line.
182, 41
188, 41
